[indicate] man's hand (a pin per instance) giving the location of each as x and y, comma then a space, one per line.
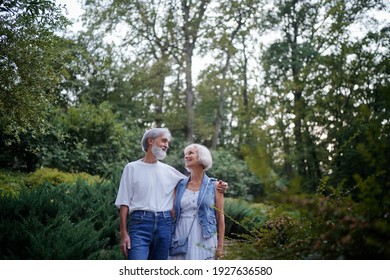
221, 186
125, 245
125, 239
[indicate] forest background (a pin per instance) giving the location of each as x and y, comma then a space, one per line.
292, 97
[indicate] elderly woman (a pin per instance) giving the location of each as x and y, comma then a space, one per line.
198, 208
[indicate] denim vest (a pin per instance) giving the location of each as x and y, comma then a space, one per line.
206, 213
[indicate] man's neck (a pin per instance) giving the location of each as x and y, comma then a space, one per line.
149, 158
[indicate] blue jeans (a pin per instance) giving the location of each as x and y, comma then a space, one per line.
150, 235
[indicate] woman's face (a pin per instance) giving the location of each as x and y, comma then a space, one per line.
191, 157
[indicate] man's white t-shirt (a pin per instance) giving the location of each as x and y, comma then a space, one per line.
147, 186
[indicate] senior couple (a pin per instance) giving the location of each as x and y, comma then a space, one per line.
161, 202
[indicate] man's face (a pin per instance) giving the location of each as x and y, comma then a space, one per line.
160, 147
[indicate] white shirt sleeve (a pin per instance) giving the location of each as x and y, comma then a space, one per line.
125, 191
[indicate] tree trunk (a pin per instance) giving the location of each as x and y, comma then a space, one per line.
191, 30
221, 97
189, 94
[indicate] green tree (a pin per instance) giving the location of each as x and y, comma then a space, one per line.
228, 35
89, 138
32, 63
148, 49
296, 72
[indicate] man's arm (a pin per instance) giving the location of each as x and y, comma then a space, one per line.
125, 239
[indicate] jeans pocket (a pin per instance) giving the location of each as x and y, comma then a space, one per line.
168, 221
136, 218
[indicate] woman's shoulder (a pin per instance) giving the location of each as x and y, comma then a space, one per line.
183, 182
210, 180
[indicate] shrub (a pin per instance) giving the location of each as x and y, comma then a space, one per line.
233, 170
55, 177
258, 231
67, 221
11, 183
241, 217
90, 139
316, 227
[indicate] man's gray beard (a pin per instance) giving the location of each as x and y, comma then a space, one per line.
159, 153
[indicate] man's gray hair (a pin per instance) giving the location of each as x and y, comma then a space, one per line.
153, 134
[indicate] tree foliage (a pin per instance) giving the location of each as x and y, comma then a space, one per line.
89, 138
31, 61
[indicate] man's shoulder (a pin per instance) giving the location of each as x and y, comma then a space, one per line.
140, 164
165, 165
134, 163
171, 170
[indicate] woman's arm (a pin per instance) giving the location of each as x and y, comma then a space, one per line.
173, 205
220, 216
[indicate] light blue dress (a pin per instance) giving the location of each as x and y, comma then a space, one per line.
199, 248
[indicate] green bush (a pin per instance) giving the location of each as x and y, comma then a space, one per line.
242, 183
90, 139
68, 221
55, 177
11, 182
315, 227
257, 230
241, 217
270, 239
